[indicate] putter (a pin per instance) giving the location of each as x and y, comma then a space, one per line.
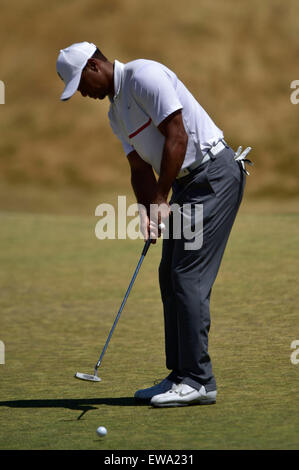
94, 377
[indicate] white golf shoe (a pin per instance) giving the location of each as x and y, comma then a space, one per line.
184, 395
160, 388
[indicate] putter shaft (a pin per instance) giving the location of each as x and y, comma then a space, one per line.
144, 251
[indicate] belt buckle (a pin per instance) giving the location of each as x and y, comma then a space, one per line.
217, 148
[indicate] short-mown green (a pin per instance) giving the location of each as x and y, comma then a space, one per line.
61, 288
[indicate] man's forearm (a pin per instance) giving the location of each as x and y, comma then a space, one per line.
172, 160
144, 185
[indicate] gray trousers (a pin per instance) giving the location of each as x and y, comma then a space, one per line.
187, 276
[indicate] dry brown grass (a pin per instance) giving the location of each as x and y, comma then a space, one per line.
238, 59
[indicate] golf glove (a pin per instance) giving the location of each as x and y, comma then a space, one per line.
240, 157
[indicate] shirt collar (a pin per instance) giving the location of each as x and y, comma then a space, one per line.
118, 77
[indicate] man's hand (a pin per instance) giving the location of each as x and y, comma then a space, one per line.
154, 225
144, 221
159, 213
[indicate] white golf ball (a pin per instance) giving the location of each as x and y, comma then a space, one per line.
101, 431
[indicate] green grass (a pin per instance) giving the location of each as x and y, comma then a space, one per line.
60, 291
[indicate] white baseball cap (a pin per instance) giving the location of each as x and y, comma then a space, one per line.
70, 63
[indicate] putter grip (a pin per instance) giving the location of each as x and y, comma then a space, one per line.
146, 247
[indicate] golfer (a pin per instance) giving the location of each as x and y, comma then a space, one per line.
165, 131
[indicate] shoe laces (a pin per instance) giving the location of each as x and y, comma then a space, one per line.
176, 388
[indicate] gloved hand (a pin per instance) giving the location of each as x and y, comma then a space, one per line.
240, 157
149, 227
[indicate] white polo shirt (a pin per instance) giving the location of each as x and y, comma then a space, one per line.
146, 92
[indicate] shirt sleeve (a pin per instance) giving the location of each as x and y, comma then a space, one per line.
119, 134
155, 91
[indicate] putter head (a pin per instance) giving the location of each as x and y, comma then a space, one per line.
88, 377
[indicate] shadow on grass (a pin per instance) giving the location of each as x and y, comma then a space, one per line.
79, 404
